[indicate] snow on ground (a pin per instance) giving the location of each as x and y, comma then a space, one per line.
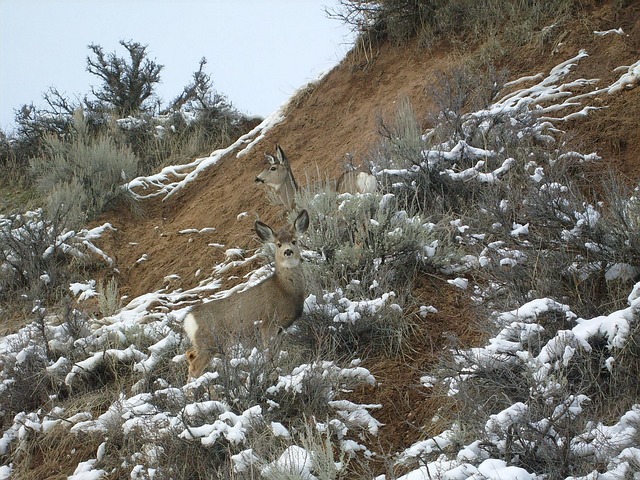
147, 339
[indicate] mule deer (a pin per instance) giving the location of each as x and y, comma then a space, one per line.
270, 306
280, 179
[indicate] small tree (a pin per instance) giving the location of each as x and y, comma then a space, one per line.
127, 85
199, 91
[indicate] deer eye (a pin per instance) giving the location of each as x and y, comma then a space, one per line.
293, 242
278, 244
273, 169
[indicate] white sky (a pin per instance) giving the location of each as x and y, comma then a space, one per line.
259, 52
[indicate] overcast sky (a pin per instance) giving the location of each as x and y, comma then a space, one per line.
258, 51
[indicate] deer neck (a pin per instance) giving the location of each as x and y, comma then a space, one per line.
287, 191
291, 280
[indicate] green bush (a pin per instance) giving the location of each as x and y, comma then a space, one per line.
364, 253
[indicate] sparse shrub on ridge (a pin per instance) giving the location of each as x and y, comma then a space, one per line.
461, 22
34, 124
125, 112
127, 84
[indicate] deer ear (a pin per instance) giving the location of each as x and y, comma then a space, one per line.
281, 156
270, 158
264, 232
302, 222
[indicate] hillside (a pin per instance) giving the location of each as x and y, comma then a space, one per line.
171, 251
340, 116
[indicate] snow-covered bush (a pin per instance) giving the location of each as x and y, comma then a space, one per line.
535, 386
183, 432
464, 158
38, 253
34, 361
363, 255
559, 264
505, 170
570, 247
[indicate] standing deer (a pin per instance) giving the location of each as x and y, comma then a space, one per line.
279, 178
271, 305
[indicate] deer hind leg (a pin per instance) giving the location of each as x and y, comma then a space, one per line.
198, 361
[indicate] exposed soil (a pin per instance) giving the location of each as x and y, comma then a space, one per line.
411, 411
340, 116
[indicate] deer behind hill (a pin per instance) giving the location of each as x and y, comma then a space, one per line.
280, 179
270, 306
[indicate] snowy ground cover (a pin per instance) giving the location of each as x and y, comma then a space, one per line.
144, 345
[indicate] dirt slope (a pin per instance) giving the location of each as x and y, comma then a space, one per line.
339, 116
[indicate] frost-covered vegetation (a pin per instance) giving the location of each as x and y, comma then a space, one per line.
485, 199
493, 201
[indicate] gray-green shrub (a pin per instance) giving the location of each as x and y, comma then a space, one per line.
364, 254
91, 171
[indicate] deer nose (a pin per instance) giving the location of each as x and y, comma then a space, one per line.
288, 252
259, 180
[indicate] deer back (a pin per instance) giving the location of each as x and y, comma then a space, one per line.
356, 181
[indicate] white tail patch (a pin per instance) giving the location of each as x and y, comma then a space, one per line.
190, 325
